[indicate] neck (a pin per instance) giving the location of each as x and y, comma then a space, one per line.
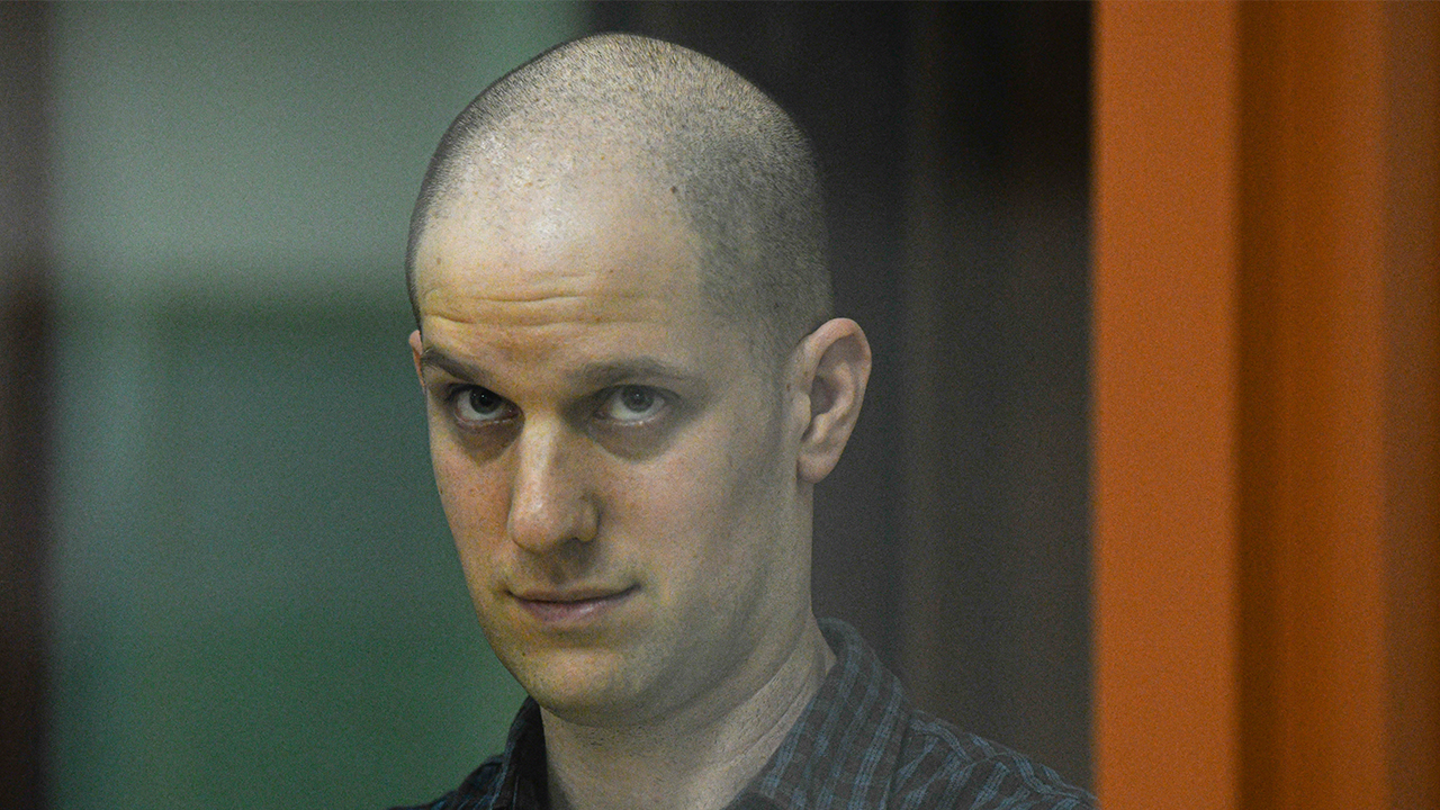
679, 762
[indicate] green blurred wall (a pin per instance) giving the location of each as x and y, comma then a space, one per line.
255, 599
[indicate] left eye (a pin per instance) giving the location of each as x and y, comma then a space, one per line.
631, 403
474, 405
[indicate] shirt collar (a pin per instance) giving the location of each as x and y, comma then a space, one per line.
841, 720
522, 783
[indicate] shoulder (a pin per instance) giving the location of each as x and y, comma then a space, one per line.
477, 791
941, 766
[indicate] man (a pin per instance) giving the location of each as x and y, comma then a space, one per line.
633, 383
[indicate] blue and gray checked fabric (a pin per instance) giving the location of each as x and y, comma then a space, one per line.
860, 745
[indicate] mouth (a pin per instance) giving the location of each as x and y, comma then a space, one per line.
571, 609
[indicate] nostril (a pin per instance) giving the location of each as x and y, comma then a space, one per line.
543, 519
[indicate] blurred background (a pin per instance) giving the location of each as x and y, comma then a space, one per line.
227, 580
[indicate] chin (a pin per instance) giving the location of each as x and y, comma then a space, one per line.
580, 685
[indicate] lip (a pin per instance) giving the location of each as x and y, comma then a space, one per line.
571, 609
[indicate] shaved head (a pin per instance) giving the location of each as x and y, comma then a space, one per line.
665, 122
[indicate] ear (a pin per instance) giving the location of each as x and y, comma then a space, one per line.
833, 365
415, 347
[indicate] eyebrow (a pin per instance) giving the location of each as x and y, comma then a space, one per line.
602, 375
597, 375
431, 357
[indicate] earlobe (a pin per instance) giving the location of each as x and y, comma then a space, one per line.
836, 365
415, 347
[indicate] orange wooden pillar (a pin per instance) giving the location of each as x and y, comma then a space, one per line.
1166, 595
1267, 405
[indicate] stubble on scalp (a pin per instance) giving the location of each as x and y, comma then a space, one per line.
743, 173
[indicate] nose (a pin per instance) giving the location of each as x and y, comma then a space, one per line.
550, 505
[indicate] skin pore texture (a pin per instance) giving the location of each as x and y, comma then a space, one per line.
629, 483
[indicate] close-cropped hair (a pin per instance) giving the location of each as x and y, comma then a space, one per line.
744, 173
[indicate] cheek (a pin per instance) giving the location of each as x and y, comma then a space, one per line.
705, 514
474, 496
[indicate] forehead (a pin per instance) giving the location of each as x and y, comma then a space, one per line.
528, 236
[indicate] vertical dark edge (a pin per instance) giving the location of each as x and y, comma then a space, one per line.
1262, 38
26, 313
921, 558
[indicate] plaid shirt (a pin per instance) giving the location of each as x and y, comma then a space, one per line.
859, 745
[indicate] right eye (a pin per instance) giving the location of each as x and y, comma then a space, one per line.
480, 406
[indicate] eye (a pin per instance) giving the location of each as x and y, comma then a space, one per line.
631, 404
474, 404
